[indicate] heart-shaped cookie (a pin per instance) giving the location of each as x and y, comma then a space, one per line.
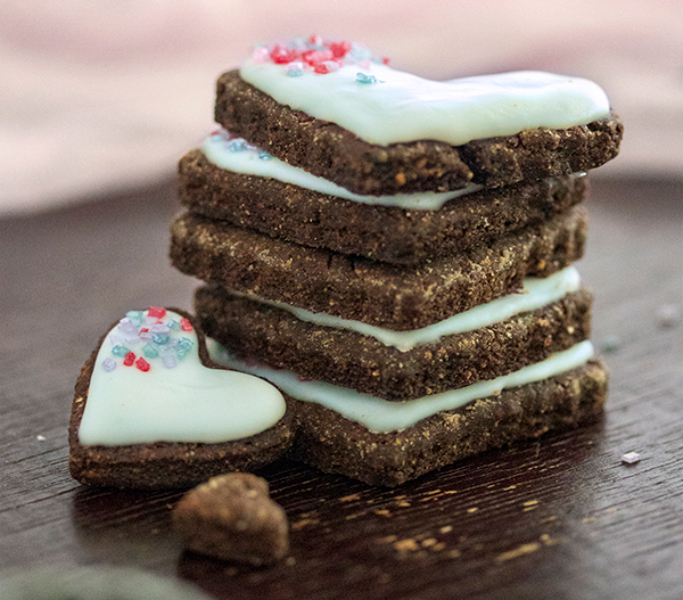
385, 106
152, 411
339, 113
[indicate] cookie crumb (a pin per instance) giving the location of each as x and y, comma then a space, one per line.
630, 458
232, 517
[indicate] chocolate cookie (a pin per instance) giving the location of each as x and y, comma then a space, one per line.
334, 444
384, 233
375, 293
275, 337
330, 151
152, 411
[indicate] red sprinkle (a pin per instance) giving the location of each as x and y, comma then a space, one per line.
340, 49
185, 324
283, 56
144, 330
320, 56
156, 312
140, 363
129, 359
315, 57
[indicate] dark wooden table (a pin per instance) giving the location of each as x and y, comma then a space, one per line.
560, 518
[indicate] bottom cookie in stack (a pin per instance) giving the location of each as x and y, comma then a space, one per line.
343, 442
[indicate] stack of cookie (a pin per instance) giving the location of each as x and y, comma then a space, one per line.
396, 254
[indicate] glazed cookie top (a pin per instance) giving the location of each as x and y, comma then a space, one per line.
345, 84
149, 384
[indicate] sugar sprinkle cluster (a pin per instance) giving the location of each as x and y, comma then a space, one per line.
151, 333
234, 143
318, 56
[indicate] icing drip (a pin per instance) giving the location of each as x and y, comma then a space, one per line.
400, 107
236, 155
381, 416
170, 396
535, 293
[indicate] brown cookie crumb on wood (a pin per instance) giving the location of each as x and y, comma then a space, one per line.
232, 517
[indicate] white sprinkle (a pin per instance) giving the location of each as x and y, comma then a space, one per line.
630, 458
40, 438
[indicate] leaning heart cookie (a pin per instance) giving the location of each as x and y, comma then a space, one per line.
152, 411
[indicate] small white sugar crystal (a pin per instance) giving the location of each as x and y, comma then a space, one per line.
630, 458
40, 438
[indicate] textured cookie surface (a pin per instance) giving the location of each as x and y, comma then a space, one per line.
274, 337
385, 233
372, 292
329, 151
232, 517
166, 464
334, 444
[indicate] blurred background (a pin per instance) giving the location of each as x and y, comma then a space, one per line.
100, 97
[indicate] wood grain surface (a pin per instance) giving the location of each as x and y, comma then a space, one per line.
559, 518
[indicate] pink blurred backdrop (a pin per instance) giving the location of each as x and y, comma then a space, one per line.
102, 96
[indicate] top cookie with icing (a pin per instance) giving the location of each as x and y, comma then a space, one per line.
344, 84
336, 111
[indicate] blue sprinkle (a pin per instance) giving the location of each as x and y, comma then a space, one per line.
169, 361
295, 72
160, 338
135, 316
119, 350
108, 365
173, 325
150, 351
237, 146
264, 155
365, 79
183, 347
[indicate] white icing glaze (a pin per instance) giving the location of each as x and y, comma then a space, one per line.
402, 107
381, 416
535, 293
186, 403
251, 161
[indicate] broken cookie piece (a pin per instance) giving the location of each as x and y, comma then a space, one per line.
232, 517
